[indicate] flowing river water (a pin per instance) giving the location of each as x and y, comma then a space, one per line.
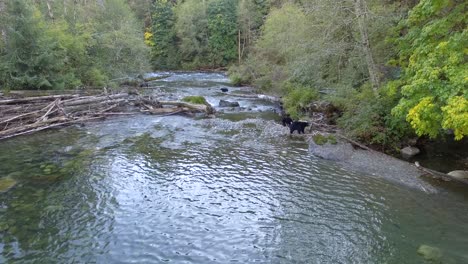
235, 188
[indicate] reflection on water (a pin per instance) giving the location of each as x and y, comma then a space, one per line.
231, 189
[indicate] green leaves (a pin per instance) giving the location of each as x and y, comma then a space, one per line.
456, 116
434, 80
194, 34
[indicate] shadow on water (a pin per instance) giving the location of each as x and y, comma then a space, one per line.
235, 188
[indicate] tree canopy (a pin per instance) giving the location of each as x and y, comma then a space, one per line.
69, 44
433, 58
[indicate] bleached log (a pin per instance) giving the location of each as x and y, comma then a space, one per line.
194, 107
50, 126
90, 106
259, 96
35, 99
439, 175
18, 129
95, 99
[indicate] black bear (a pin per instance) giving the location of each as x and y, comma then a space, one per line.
224, 90
144, 84
299, 126
286, 120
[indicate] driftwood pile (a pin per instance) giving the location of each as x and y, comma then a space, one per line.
20, 116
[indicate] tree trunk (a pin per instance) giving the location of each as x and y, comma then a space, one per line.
239, 45
49, 9
2, 23
361, 14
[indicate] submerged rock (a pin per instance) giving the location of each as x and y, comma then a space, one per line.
6, 184
459, 174
409, 152
429, 253
224, 103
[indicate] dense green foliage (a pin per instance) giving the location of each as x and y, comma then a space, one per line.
164, 51
222, 29
434, 84
415, 52
69, 44
32, 58
199, 34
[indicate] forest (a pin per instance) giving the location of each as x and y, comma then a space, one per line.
394, 69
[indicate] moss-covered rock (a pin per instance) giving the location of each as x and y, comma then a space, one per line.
332, 140
195, 100
319, 139
6, 184
429, 253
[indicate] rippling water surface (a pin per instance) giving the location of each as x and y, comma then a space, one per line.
235, 188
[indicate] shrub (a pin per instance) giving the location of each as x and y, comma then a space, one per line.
368, 118
239, 75
297, 98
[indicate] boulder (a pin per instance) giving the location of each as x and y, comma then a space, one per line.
409, 152
335, 152
429, 253
459, 174
224, 103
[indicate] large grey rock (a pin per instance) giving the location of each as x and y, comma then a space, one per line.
409, 152
459, 174
372, 163
224, 103
338, 152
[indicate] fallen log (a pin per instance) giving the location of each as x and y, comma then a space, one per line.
50, 126
357, 143
19, 129
95, 99
259, 96
89, 106
164, 110
35, 99
439, 175
155, 78
194, 107
29, 115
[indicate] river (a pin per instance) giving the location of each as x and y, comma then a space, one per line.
235, 188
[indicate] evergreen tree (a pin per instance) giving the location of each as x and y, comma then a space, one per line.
164, 51
192, 31
31, 59
222, 30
